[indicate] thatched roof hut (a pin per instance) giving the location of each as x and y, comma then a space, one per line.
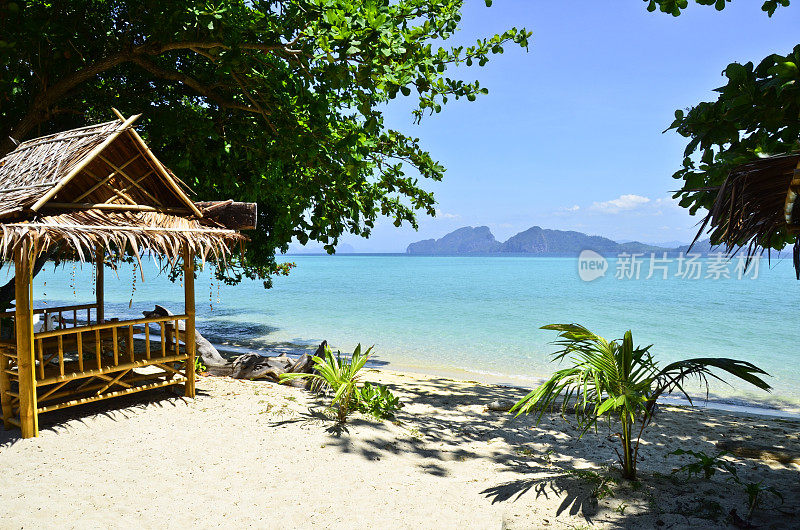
102, 185
91, 193
757, 206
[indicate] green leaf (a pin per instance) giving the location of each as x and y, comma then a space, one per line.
736, 72
607, 405
785, 69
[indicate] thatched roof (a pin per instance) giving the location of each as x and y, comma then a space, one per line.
756, 203
101, 186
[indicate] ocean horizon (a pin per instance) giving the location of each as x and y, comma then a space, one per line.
478, 317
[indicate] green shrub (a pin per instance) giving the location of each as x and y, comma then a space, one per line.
339, 375
755, 494
199, 367
707, 465
378, 401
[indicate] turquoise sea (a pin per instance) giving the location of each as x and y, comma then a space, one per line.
479, 317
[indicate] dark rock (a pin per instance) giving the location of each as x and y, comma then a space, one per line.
467, 240
500, 405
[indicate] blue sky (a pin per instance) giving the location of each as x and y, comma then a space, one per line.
570, 135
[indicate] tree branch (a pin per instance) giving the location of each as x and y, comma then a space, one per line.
158, 49
246, 91
194, 84
38, 111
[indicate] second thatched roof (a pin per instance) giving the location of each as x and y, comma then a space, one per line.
757, 204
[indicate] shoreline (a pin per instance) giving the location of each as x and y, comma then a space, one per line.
736, 405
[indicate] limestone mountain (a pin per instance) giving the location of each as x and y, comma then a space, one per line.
535, 240
466, 240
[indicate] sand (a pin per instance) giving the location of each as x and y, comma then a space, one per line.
254, 454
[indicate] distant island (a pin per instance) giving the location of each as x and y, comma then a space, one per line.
538, 241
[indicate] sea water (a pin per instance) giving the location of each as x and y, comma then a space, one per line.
480, 317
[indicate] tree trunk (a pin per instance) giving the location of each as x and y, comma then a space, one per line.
40, 109
254, 366
7, 290
628, 461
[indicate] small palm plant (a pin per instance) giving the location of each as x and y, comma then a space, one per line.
621, 382
338, 374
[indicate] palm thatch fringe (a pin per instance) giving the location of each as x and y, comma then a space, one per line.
131, 233
749, 211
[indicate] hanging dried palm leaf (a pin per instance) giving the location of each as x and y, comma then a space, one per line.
749, 211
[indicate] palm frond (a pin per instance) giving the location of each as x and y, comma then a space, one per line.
672, 376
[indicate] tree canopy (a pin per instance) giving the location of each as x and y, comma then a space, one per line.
756, 114
279, 102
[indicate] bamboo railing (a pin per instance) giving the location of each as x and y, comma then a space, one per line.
87, 363
70, 310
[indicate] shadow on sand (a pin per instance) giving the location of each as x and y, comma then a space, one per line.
117, 409
449, 424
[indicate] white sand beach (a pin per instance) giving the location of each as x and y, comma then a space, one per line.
255, 454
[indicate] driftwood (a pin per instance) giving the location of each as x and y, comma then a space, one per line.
248, 365
254, 366
204, 349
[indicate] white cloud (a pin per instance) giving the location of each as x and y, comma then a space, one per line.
444, 215
623, 203
669, 202
566, 210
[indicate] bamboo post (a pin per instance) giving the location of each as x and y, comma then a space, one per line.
99, 288
115, 345
28, 417
80, 351
166, 339
40, 351
98, 349
131, 352
189, 310
60, 354
5, 388
147, 341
